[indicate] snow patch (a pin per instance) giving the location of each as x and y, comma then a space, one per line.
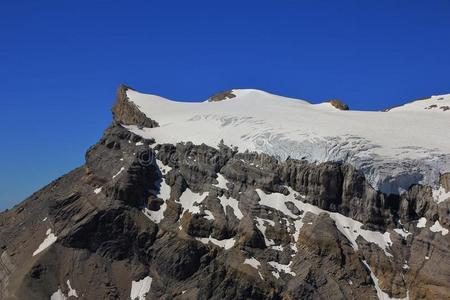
282, 268
233, 203
140, 289
437, 227
58, 295
222, 182
226, 243
252, 262
190, 201
350, 228
72, 292
209, 215
164, 168
422, 223
120, 171
261, 225
164, 194
440, 195
48, 241
402, 232
381, 295
98, 190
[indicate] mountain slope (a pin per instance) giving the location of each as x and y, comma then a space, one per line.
162, 209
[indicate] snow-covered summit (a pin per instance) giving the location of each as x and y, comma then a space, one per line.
439, 103
406, 145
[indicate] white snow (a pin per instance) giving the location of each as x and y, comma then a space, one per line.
393, 149
233, 203
277, 248
422, 222
402, 232
226, 243
120, 171
164, 168
209, 215
139, 144
282, 268
381, 295
164, 194
45, 219
222, 182
440, 195
98, 190
350, 228
48, 241
72, 292
58, 295
438, 228
261, 225
139, 289
252, 262
190, 201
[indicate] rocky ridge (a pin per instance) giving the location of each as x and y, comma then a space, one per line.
187, 221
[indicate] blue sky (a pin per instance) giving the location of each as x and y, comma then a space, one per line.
61, 62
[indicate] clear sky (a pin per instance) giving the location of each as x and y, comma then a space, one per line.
61, 62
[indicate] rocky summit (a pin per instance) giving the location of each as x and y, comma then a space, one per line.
246, 195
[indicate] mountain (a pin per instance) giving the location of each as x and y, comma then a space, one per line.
246, 195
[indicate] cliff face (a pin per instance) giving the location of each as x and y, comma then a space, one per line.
127, 113
184, 221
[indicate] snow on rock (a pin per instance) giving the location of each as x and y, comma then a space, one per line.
440, 195
208, 215
98, 190
381, 295
117, 174
252, 262
255, 264
48, 241
261, 225
190, 201
164, 194
226, 243
438, 228
222, 182
422, 222
402, 232
164, 168
350, 228
58, 295
393, 149
140, 289
233, 203
281, 268
72, 292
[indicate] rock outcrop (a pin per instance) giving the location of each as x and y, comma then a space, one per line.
339, 104
126, 112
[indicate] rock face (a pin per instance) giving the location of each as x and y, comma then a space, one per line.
339, 104
127, 113
222, 96
186, 221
